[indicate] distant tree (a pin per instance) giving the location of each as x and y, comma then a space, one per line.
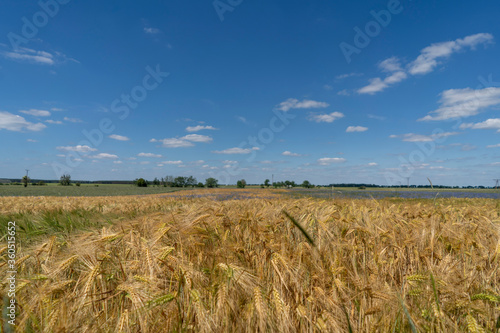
261, 185
200, 184
266, 183
306, 184
156, 182
26, 181
180, 181
65, 180
191, 181
78, 184
211, 182
41, 183
241, 183
169, 181
141, 182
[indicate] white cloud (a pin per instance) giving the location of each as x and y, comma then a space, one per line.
118, 137
172, 162
117, 162
236, 150
78, 148
29, 55
31, 140
54, 122
152, 31
411, 137
427, 61
105, 156
330, 160
487, 124
73, 120
36, 113
293, 103
377, 84
344, 92
149, 155
242, 119
372, 164
289, 153
229, 162
199, 128
392, 64
173, 143
17, 123
493, 146
461, 103
197, 138
185, 141
344, 76
325, 118
144, 162
351, 129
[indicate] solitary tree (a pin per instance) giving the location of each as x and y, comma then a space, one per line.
211, 182
266, 183
307, 184
241, 183
141, 182
65, 180
26, 181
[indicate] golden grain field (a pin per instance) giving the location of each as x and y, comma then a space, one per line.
201, 264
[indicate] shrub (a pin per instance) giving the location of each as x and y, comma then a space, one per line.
141, 182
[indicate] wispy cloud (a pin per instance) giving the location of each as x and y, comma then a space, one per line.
493, 146
172, 162
429, 57
73, 120
330, 160
344, 76
31, 140
487, 124
411, 137
78, 148
293, 103
150, 30
36, 113
119, 137
289, 153
199, 128
425, 63
325, 118
461, 103
352, 129
149, 155
185, 141
235, 150
16, 123
54, 122
372, 116
105, 156
29, 55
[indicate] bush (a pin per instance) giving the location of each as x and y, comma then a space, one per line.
78, 184
241, 183
200, 184
141, 182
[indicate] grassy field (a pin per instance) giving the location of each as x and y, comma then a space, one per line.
85, 190
254, 261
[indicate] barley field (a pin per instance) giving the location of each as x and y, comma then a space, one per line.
254, 261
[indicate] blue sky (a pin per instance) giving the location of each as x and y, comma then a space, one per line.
332, 92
